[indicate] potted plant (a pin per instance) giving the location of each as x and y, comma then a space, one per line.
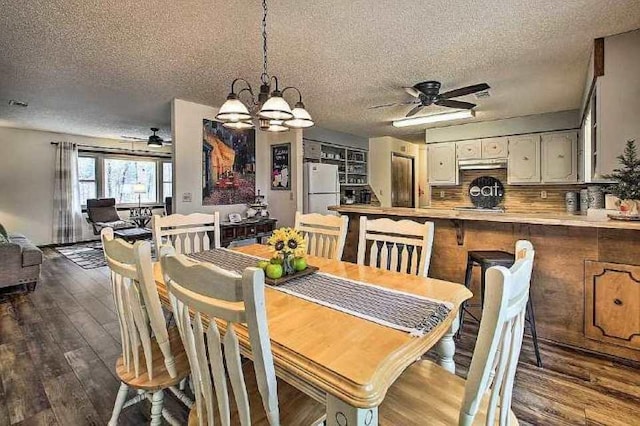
627, 177
289, 250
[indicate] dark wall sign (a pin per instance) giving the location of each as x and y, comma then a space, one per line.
486, 192
281, 166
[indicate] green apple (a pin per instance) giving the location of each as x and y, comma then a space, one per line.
274, 271
300, 264
263, 264
277, 260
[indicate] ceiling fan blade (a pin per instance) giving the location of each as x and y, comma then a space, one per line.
383, 105
464, 91
414, 111
412, 91
450, 103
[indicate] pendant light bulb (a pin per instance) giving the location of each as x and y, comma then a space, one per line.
301, 118
276, 108
233, 110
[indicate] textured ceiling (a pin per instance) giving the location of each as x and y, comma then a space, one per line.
110, 68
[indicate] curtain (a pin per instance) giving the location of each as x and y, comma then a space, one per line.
67, 213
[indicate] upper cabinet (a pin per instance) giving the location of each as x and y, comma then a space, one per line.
443, 167
467, 150
559, 157
524, 159
495, 148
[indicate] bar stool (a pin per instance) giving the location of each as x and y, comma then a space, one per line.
487, 259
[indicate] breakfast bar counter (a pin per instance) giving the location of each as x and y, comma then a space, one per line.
586, 278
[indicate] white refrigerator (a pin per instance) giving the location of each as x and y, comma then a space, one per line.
321, 186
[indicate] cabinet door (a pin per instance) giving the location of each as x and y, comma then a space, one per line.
559, 157
443, 169
467, 150
612, 304
494, 148
524, 159
311, 149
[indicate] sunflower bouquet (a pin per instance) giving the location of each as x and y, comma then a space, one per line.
289, 250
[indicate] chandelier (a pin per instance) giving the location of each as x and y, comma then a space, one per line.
270, 108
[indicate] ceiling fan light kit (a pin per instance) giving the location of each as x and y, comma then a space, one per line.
154, 140
273, 112
434, 118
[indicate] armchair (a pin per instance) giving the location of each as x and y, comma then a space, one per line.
102, 213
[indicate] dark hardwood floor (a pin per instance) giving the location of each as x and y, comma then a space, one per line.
58, 347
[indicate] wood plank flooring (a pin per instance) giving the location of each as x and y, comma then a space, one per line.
58, 347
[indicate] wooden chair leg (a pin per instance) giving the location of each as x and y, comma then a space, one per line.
121, 398
157, 402
531, 318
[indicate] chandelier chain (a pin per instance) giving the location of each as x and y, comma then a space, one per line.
265, 75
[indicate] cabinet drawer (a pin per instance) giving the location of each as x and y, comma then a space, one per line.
468, 150
494, 148
612, 304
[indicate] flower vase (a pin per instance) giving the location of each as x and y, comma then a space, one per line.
287, 264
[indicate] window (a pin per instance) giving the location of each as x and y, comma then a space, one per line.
87, 179
167, 179
122, 176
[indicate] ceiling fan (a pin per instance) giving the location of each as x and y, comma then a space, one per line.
153, 140
428, 93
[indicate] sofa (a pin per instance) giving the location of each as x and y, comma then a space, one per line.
20, 261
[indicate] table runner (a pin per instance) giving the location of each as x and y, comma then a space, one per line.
407, 312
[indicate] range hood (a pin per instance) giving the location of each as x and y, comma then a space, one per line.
483, 164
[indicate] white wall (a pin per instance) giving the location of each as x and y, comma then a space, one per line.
186, 119
562, 120
618, 98
27, 180
380, 150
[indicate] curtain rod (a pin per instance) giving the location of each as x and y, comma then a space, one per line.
108, 149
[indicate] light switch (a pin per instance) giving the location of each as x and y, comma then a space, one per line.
543, 194
441, 194
187, 197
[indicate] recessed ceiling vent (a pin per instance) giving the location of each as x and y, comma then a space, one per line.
483, 95
22, 104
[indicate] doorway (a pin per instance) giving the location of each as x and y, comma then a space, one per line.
402, 181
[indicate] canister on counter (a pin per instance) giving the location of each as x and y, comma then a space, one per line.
571, 201
584, 201
596, 197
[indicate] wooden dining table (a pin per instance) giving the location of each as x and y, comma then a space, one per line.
342, 360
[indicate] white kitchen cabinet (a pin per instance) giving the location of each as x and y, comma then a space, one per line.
559, 152
524, 159
495, 148
468, 150
443, 167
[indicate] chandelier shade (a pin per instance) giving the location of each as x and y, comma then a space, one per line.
276, 108
301, 118
238, 125
233, 110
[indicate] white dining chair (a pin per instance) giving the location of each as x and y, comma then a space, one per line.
187, 233
427, 394
153, 358
401, 246
200, 291
325, 234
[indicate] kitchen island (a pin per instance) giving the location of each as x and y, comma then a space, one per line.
586, 278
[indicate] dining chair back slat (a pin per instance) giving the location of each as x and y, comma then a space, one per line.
325, 235
187, 233
401, 246
137, 303
202, 289
495, 357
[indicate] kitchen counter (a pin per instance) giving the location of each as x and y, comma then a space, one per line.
553, 219
585, 275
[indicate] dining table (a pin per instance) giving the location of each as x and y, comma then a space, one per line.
345, 361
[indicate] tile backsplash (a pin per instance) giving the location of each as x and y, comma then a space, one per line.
517, 198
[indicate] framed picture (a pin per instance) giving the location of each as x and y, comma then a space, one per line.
228, 165
281, 167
